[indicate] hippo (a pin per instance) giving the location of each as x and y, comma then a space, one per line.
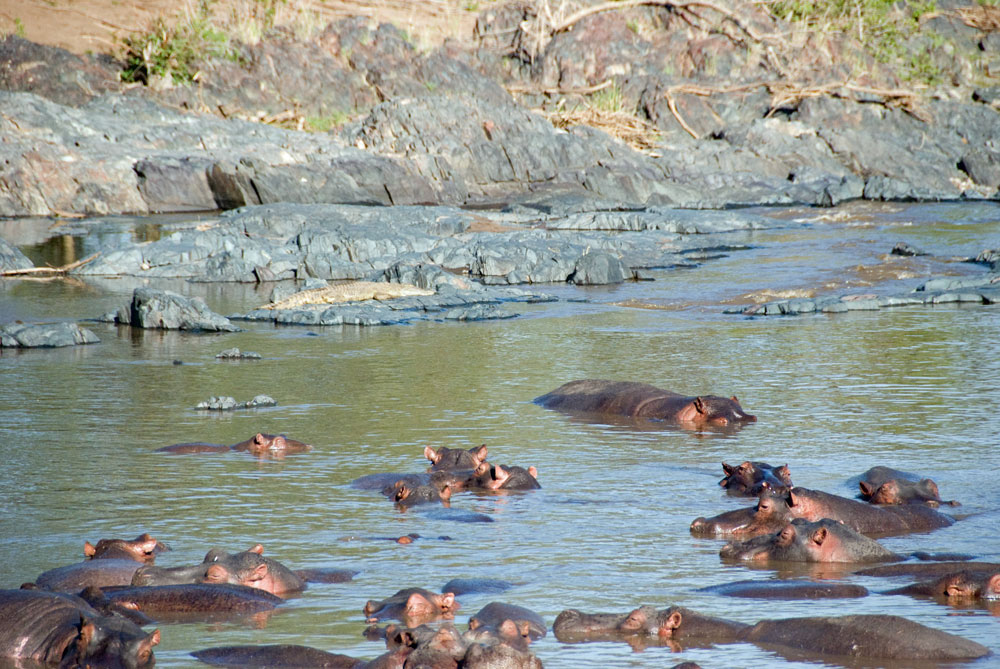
462, 586
498, 477
749, 479
672, 623
965, 585
779, 508
101, 573
882, 637
445, 458
143, 548
191, 601
782, 589
63, 630
406, 495
527, 623
640, 400
883, 485
412, 605
928, 569
283, 655
260, 444
249, 568
801, 540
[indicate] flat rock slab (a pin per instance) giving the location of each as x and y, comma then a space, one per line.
943, 290
45, 335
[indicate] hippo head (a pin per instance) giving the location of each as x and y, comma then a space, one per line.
716, 411
143, 548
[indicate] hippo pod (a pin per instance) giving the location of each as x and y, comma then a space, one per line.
640, 400
801, 540
60, 630
775, 509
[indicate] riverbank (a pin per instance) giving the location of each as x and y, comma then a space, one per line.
632, 108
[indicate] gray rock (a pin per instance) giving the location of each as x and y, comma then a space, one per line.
163, 309
237, 354
226, 403
598, 268
45, 335
12, 258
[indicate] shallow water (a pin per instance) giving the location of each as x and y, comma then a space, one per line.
913, 388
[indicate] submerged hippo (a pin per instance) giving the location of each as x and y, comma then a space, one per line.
672, 623
881, 637
189, 601
413, 606
143, 548
499, 477
640, 400
525, 623
445, 458
884, 485
964, 585
751, 478
279, 655
64, 631
261, 445
249, 568
805, 541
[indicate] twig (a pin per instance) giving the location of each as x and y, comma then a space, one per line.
673, 110
608, 6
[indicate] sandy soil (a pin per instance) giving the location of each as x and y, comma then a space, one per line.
97, 25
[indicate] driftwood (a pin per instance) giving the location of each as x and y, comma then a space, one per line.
48, 271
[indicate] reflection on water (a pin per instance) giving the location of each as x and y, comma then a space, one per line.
911, 388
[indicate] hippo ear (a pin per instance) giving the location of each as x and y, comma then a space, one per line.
474, 623
991, 588
699, 405
448, 601
446, 492
728, 469
431, 454
144, 649
819, 536
89, 549
867, 490
481, 453
735, 399
259, 572
784, 473
258, 549
533, 471
671, 624
792, 499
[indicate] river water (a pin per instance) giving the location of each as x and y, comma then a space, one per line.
914, 388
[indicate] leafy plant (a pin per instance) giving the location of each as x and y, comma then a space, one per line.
170, 50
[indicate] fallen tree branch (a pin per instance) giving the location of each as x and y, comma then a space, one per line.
49, 270
575, 17
673, 110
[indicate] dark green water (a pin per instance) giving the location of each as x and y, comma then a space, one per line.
912, 388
